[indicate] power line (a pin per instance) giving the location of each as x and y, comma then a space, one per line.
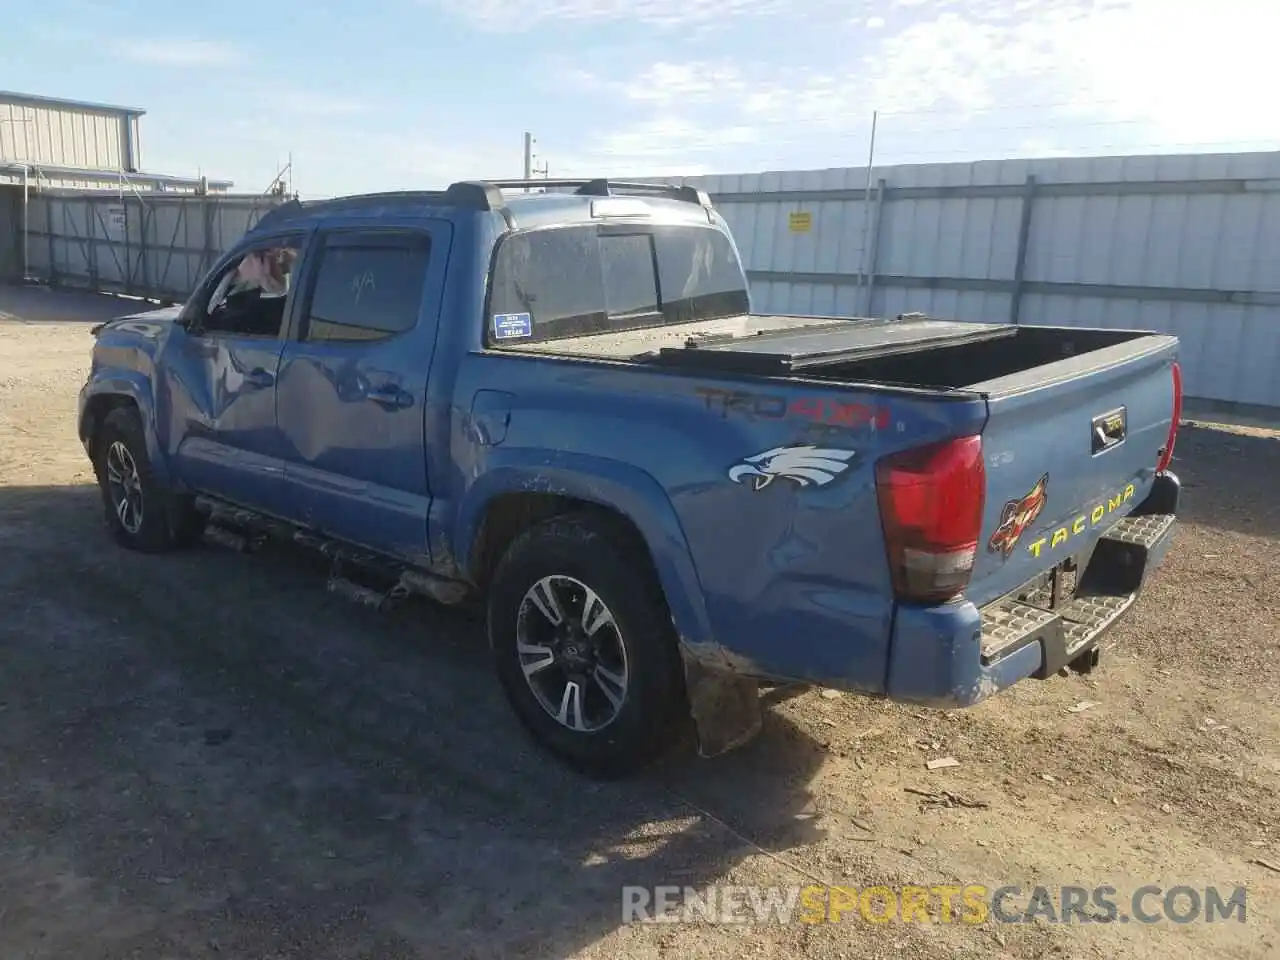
935, 131
1162, 146
1053, 135
792, 94
839, 124
745, 163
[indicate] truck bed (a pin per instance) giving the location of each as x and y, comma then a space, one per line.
1075, 419
912, 352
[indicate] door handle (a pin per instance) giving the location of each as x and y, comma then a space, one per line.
390, 396
258, 377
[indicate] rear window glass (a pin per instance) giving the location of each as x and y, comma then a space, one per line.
630, 281
576, 280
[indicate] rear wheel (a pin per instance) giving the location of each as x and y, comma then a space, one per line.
584, 647
141, 513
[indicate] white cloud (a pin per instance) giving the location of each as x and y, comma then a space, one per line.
658, 146
950, 61
1195, 72
176, 52
658, 85
874, 23
665, 83
410, 162
591, 164
331, 158
667, 136
518, 15
1160, 67
977, 77
1041, 147
952, 79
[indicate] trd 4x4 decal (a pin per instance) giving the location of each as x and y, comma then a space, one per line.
1016, 516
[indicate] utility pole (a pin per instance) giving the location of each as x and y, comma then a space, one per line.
864, 300
528, 157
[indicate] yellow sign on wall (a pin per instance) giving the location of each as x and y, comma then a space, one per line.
800, 222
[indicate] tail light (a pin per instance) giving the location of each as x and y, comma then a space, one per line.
1166, 452
931, 501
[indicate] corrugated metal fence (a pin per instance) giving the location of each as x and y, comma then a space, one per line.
1184, 244
148, 245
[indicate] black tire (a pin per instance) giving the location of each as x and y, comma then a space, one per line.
654, 714
167, 520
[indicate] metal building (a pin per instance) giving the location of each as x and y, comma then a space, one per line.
52, 148
1185, 244
50, 143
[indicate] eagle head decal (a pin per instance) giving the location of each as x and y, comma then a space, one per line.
1016, 516
803, 464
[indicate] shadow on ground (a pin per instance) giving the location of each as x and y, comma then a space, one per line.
41, 304
1231, 481
205, 754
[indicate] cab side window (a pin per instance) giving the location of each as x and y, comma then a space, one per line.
249, 296
367, 286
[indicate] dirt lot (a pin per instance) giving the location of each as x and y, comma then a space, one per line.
205, 755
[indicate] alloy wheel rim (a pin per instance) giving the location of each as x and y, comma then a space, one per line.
125, 486
572, 653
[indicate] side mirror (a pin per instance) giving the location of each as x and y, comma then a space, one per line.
190, 318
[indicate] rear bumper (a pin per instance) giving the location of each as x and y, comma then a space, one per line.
958, 654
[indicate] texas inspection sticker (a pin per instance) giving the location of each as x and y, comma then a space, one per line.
511, 326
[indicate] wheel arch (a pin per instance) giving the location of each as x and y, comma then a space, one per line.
112, 393
511, 498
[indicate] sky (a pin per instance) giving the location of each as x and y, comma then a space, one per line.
400, 94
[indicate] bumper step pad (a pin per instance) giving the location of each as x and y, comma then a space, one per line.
1076, 625
1141, 531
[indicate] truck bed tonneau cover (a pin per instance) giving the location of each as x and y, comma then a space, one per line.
772, 345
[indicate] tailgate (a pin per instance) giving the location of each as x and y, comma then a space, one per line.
1070, 448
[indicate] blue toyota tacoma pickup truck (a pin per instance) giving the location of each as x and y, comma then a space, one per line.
560, 405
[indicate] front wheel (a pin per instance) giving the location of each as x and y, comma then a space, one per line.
584, 647
140, 512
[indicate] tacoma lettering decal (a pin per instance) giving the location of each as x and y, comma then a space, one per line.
1082, 523
803, 464
1016, 516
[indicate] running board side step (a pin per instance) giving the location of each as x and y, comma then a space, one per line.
351, 569
1107, 587
221, 536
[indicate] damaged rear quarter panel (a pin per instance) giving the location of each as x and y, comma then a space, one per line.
785, 574
619, 486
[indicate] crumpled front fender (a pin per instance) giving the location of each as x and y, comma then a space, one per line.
108, 388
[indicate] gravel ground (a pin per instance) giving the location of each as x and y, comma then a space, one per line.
205, 755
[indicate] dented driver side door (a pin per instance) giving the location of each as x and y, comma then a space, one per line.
220, 376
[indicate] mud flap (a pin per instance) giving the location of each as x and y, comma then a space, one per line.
725, 707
